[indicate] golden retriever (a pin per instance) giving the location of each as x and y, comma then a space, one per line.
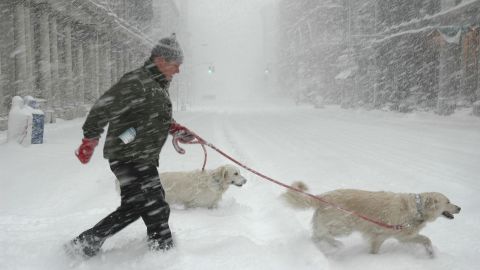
412, 211
199, 188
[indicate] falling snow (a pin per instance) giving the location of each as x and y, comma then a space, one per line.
365, 94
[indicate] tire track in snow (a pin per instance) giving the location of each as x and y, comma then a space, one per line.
260, 194
362, 143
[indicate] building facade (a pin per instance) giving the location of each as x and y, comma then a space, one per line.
430, 58
397, 54
67, 53
312, 38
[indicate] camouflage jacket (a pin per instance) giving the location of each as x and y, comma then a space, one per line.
139, 100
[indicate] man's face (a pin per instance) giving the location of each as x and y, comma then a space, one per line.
167, 68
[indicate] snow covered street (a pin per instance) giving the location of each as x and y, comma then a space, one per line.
47, 196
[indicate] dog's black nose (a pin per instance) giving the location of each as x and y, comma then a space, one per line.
459, 208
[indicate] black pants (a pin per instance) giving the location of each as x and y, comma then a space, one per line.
142, 196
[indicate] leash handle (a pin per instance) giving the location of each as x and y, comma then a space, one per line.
202, 142
177, 147
198, 140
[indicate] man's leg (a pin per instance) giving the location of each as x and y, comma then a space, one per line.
132, 203
158, 231
156, 212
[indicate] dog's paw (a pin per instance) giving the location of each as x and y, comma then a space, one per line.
336, 244
330, 241
213, 206
430, 251
328, 247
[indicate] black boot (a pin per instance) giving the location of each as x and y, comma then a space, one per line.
84, 246
156, 243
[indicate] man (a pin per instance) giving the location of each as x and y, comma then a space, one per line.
138, 111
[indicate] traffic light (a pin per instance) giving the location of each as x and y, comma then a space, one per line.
211, 69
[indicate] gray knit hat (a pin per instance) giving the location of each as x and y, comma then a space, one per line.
169, 49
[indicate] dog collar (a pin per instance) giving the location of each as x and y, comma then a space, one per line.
418, 203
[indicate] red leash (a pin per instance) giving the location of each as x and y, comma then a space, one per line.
202, 142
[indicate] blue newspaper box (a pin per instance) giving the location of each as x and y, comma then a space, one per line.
38, 122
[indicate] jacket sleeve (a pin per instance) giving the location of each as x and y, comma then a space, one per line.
109, 106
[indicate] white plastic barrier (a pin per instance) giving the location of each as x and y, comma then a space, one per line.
25, 121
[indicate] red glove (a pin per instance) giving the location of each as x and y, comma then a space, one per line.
85, 151
180, 134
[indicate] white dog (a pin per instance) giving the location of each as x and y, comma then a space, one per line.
199, 188
412, 211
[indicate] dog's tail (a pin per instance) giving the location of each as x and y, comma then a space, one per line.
297, 199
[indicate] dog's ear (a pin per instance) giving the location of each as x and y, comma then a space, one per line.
221, 174
431, 203
224, 172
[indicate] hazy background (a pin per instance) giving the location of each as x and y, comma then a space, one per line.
367, 86
228, 36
